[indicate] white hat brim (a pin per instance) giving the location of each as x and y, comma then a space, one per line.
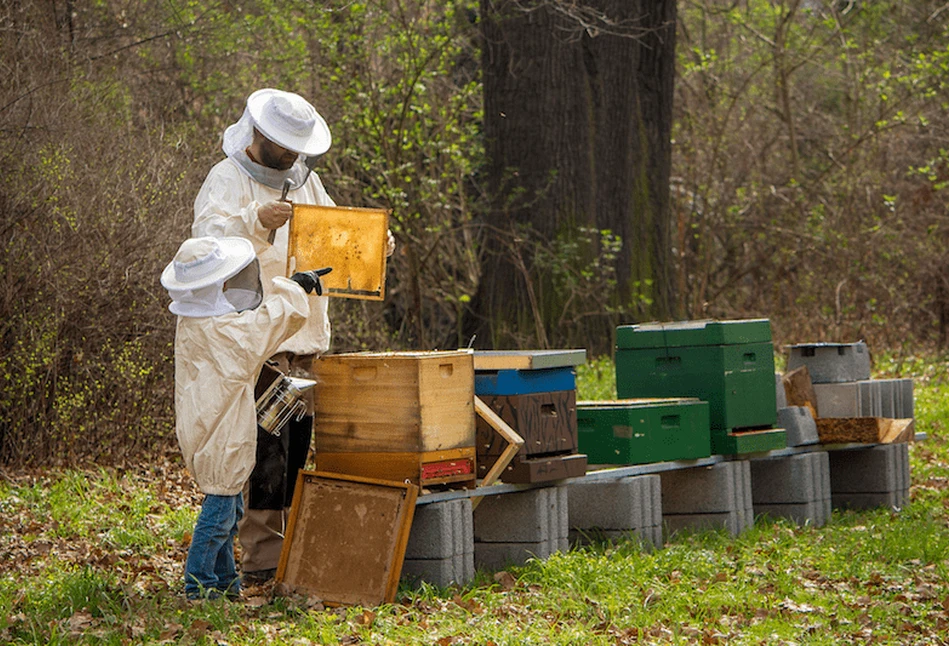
237, 253
318, 141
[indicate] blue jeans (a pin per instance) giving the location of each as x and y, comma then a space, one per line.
210, 570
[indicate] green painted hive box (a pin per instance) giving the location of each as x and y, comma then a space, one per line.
729, 364
641, 431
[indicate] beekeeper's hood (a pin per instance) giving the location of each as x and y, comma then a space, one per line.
286, 119
196, 278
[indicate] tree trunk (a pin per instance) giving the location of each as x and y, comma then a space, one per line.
577, 124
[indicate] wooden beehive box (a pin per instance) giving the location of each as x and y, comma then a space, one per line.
396, 415
534, 392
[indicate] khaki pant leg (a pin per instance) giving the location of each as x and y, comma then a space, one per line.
260, 533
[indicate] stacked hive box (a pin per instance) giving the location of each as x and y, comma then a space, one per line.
534, 392
397, 416
729, 364
640, 431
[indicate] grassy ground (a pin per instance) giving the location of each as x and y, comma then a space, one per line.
96, 557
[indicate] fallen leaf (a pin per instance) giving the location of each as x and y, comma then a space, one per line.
505, 579
199, 628
80, 621
170, 631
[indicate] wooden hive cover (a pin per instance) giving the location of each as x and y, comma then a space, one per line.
346, 538
350, 240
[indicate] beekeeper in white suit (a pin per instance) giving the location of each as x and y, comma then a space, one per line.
241, 195
226, 330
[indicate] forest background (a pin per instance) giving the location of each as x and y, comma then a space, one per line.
810, 158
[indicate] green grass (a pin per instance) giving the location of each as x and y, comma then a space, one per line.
95, 557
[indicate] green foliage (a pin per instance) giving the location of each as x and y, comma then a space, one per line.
596, 379
807, 146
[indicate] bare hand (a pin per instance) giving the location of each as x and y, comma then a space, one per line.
390, 243
274, 215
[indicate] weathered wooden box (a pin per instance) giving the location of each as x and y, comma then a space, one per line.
547, 422
534, 392
396, 415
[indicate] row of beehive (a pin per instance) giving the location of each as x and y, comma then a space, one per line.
687, 390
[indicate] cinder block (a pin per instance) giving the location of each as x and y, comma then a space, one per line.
625, 508
441, 530
890, 398
715, 496
799, 425
440, 549
512, 528
743, 490
876, 469
521, 517
842, 399
832, 362
780, 395
701, 489
653, 505
795, 487
907, 401
788, 479
613, 505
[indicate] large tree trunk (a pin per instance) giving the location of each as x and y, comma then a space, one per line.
578, 114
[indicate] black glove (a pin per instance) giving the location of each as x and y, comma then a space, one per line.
310, 280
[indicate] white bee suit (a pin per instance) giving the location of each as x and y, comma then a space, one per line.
217, 360
227, 206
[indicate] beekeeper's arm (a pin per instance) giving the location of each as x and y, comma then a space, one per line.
279, 316
228, 205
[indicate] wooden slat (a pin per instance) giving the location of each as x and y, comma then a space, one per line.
864, 430
509, 434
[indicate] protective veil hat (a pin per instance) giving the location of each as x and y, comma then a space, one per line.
290, 121
201, 262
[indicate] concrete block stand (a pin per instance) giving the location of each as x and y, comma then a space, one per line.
799, 425
712, 497
616, 510
892, 398
832, 362
794, 486
440, 550
876, 476
513, 528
